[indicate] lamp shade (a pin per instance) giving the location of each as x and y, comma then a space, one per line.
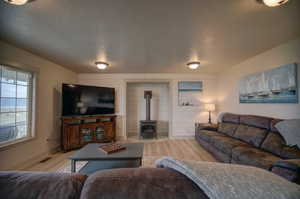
273, 3
210, 107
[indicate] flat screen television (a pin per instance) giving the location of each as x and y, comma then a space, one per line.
87, 100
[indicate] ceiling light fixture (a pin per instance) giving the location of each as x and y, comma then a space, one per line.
17, 2
273, 3
101, 65
193, 65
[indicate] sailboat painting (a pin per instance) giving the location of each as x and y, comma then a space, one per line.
278, 85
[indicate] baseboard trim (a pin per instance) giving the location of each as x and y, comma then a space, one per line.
55, 150
31, 161
132, 134
121, 138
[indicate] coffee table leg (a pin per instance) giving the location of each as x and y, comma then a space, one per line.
73, 166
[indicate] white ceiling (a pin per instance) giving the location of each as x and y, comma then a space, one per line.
148, 36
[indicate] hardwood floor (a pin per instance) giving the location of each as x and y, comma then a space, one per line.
184, 149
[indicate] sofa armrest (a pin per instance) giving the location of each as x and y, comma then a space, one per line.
292, 164
289, 169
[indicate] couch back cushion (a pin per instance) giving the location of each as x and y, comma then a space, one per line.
16, 185
256, 121
273, 143
232, 118
227, 128
251, 135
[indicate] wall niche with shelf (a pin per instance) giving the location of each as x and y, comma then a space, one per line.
189, 93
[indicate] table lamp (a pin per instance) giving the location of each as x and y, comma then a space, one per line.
210, 108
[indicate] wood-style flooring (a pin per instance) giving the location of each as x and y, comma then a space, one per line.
183, 149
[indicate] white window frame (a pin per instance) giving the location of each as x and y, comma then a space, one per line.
31, 117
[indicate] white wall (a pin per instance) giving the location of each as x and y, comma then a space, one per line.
228, 89
136, 106
183, 118
48, 106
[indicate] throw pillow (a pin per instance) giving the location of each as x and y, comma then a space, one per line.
290, 130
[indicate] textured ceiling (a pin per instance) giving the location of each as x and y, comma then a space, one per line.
147, 36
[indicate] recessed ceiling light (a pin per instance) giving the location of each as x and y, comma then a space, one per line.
193, 65
101, 65
17, 2
273, 3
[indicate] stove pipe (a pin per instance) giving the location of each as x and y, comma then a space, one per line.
148, 96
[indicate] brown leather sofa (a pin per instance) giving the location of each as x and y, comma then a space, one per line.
132, 183
251, 140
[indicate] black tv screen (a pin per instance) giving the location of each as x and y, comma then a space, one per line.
87, 100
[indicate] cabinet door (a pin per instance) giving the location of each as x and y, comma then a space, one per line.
72, 137
100, 133
86, 134
109, 131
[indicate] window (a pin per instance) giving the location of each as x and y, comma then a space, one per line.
16, 90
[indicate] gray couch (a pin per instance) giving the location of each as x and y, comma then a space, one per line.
131, 183
251, 140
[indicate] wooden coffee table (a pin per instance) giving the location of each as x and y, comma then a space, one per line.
131, 157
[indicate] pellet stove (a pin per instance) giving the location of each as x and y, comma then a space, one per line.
148, 127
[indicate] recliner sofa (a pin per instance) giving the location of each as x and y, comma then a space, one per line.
251, 140
129, 183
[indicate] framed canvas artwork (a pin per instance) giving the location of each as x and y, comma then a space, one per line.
278, 85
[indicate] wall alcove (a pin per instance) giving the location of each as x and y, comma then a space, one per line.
136, 107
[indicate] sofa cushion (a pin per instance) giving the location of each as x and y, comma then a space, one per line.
290, 152
207, 135
226, 144
254, 157
273, 143
256, 121
38, 185
218, 155
290, 175
251, 135
142, 183
232, 118
227, 128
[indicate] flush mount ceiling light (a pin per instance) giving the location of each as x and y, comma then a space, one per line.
273, 3
193, 65
101, 65
17, 2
